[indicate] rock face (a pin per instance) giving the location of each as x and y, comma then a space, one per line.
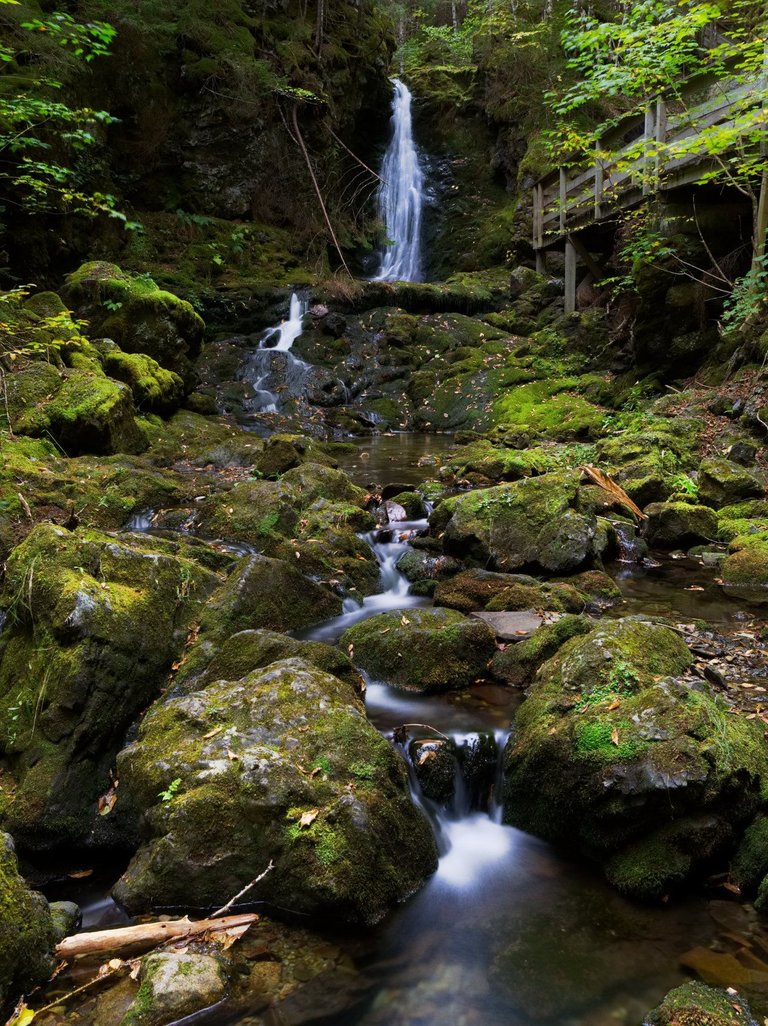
615, 755
422, 650
694, 1004
27, 934
96, 623
296, 774
532, 522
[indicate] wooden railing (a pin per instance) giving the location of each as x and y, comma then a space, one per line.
647, 154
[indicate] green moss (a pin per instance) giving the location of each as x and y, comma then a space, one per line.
547, 408
695, 1004
595, 739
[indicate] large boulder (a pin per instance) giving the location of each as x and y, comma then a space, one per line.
614, 755
27, 934
174, 985
95, 623
422, 650
138, 315
533, 522
282, 765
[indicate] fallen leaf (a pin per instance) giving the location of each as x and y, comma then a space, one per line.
80, 874
615, 736
404, 621
213, 733
614, 705
308, 818
21, 1015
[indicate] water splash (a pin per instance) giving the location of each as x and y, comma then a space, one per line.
401, 197
264, 367
287, 331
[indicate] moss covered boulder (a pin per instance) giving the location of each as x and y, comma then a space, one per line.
82, 409
249, 650
615, 755
153, 387
421, 650
27, 934
722, 483
474, 590
280, 765
138, 315
174, 985
678, 524
744, 571
532, 522
696, 1004
95, 624
517, 664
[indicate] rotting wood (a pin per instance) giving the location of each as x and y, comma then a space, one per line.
148, 934
614, 490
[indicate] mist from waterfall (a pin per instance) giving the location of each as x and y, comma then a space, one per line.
401, 196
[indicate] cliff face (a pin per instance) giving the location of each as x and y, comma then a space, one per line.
204, 96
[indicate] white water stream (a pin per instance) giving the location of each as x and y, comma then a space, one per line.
264, 362
401, 196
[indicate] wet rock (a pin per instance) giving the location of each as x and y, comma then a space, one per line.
514, 626
693, 1004
434, 763
418, 565
27, 933
259, 513
281, 453
394, 512
66, 918
600, 589
750, 863
96, 622
678, 524
479, 762
411, 502
526, 523
174, 985
295, 772
645, 774
421, 650
722, 483
745, 569
313, 481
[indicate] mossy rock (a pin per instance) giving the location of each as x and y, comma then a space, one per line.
249, 650
174, 985
722, 483
84, 411
475, 590
600, 589
750, 863
517, 664
95, 624
346, 840
259, 513
745, 569
549, 409
422, 650
532, 522
499, 463
696, 1004
27, 935
153, 387
742, 518
418, 565
313, 481
412, 503
611, 752
672, 525
138, 315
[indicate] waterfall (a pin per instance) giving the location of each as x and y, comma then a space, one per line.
400, 196
265, 368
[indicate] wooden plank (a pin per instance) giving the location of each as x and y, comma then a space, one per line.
596, 270
563, 194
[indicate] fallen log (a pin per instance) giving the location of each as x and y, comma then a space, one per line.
150, 934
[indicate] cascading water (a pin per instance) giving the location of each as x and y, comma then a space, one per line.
264, 362
401, 196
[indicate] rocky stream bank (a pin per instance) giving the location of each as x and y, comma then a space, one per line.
220, 650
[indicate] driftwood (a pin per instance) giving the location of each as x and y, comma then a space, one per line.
149, 935
615, 491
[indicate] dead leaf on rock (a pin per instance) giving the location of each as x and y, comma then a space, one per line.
308, 818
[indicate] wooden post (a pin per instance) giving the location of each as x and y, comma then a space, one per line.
570, 277
599, 182
541, 261
661, 133
649, 135
761, 216
563, 198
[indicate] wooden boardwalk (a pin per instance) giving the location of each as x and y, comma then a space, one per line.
643, 155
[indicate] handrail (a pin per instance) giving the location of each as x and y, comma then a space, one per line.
567, 199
